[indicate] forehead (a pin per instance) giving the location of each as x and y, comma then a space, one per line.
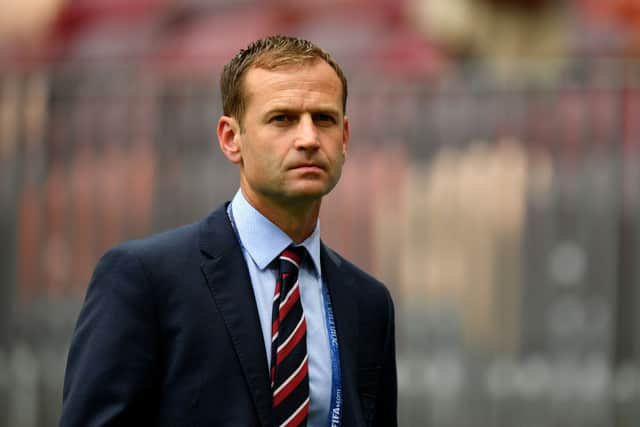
294, 86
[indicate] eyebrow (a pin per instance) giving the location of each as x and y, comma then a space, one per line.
288, 110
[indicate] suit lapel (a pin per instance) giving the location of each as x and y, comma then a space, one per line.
345, 306
230, 285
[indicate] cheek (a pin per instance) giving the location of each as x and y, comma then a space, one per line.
262, 163
339, 164
337, 152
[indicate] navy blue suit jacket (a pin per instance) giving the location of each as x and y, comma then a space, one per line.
169, 336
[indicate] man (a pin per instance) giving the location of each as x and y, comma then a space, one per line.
246, 318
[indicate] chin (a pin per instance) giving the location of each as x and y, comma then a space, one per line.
309, 193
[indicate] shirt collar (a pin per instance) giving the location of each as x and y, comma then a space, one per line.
264, 240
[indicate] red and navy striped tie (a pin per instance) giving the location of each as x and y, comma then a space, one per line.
289, 366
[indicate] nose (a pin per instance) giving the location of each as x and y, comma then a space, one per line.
307, 133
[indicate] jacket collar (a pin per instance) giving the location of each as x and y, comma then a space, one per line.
230, 285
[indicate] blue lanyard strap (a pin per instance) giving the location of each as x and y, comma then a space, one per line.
335, 412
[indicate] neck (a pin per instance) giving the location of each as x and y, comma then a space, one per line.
297, 219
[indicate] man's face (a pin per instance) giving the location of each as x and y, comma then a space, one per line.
294, 133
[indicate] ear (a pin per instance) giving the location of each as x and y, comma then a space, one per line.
228, 138
345, 135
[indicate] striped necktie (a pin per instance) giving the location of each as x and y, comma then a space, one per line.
289, 366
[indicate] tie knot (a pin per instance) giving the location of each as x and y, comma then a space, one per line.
291, 258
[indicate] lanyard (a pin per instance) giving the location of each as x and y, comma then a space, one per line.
335, 410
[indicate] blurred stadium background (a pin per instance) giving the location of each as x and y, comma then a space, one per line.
493, 184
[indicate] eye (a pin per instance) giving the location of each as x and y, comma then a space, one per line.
324, 119
281, 119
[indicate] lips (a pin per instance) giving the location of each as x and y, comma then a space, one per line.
309, 166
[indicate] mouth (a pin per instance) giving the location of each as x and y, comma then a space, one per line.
308, 167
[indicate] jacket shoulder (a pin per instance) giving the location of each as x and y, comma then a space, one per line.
360, 278
176, 242
157, 249
165, 242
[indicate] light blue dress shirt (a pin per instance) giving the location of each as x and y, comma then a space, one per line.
262, 241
